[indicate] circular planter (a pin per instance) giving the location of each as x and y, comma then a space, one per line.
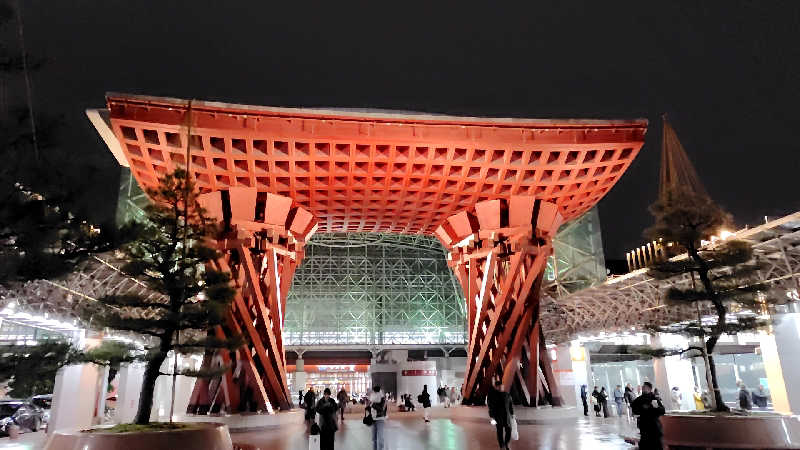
756, 431
202, 436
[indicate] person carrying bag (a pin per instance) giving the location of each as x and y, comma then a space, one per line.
368, 420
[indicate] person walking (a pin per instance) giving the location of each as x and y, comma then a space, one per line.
300, 398
629, 397
603, 398
501, 411
441, 393
425, 400
453, 397
583, 400
596, 401
310, 399
326, 407
341, 397
408, 404
380, 411
676, 397
619, 399
649, 409
745, 398
761, 397
698, 399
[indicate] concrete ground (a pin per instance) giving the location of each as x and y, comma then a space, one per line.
407, 431
26, 441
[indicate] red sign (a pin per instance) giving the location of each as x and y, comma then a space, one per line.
419, 373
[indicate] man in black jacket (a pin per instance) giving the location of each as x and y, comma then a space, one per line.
502, 411
584, 395
649, 409
310, 400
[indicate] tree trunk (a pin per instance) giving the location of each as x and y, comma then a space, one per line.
719, 327
151, 373
721, 406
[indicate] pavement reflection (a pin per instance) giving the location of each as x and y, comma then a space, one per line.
407, 431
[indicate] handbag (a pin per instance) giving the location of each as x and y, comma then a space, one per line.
368, 420
514, 429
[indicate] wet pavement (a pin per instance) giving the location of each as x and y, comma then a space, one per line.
407, 431
26, 441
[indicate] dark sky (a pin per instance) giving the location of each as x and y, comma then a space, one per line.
725, 72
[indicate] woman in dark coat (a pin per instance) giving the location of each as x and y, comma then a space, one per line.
596, 396
583, 399
502, 411
327, 408
309, 400
629, 396
425, 400
603, 398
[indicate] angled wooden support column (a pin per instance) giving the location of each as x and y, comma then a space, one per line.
547, 369
499, 248
533, 379
261, 249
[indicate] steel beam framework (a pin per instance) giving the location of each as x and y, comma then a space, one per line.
636, 300
374, 289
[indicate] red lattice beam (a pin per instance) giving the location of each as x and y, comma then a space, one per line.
375, 172
498, 250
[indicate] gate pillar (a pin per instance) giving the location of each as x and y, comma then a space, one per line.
261, 247
498, 251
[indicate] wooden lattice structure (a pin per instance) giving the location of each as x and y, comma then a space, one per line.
498, 251
389, 172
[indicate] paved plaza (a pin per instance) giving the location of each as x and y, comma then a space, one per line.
407, 431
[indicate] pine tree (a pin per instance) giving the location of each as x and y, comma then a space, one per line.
172, 254
44, 230
31, 370
725, 273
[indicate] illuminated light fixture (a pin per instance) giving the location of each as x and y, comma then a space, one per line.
577, 353
725, 234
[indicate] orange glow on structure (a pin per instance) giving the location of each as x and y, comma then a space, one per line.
494, 191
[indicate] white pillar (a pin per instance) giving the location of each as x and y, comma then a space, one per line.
566, 375
674, 371
76, 397
162, 394
300, 376
779, 352
413, 375
128, 390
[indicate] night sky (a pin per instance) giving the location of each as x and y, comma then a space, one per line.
725, 72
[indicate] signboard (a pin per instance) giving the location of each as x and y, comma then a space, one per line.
419, 373
330, 368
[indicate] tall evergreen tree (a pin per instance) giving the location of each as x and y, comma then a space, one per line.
43, 214
32, 370
724, 274
171, 253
